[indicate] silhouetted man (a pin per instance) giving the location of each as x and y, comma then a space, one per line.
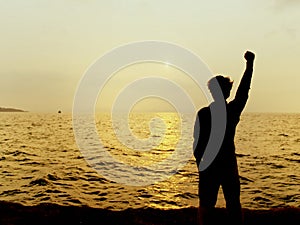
223, 171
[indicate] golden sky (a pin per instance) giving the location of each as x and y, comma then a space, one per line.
46, 46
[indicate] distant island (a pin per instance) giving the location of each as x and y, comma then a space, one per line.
10, 110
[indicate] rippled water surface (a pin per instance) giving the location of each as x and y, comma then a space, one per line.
40, 162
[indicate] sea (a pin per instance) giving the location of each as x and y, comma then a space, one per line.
41, 162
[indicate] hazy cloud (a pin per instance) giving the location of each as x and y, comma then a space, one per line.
280, 5
285, 30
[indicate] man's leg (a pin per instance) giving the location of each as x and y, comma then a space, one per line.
208, 194
231, 190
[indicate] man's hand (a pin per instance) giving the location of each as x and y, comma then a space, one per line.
249, 56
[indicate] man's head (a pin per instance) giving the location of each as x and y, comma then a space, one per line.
225, 83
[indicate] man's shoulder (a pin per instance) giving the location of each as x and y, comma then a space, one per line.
204, 111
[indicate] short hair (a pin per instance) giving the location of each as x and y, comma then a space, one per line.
219, 81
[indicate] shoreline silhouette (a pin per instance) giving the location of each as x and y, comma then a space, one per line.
44, 214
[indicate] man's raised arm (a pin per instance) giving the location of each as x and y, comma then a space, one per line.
241, 96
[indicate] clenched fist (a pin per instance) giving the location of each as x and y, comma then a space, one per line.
249, 56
